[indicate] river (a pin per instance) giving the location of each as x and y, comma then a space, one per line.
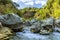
27, 35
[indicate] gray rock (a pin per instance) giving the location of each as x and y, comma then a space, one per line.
27, 23
10, 19
47, 26
48, 21
36, 27
33, 21
57, 29
57, 22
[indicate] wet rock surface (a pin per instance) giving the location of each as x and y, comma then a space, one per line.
28, 30
47, 26
44, 26
10, 23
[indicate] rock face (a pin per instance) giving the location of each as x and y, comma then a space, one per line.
47, 26
57, 26
33, 25
5, 33
12, 21
36, 26
44, 26
48, 21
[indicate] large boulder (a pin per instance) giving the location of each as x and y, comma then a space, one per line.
43, 26
12, 21
49, 22
5, 33
47, 26
32, 25
36, 27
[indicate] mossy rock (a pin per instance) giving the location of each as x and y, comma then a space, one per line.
5, 33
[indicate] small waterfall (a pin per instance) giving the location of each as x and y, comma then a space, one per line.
27, 30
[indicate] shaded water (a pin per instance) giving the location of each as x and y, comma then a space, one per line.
27, 35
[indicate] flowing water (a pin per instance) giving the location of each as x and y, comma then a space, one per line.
27, 35
32, 36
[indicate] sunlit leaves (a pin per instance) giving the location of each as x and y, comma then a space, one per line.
51, 9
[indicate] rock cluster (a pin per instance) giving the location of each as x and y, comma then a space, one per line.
46, 26
12, 22
9, 24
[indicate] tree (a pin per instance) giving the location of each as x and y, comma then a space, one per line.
7, 6
52, 9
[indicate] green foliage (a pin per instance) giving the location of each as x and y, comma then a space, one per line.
27, 13
52, 8
7, 6
56, 7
